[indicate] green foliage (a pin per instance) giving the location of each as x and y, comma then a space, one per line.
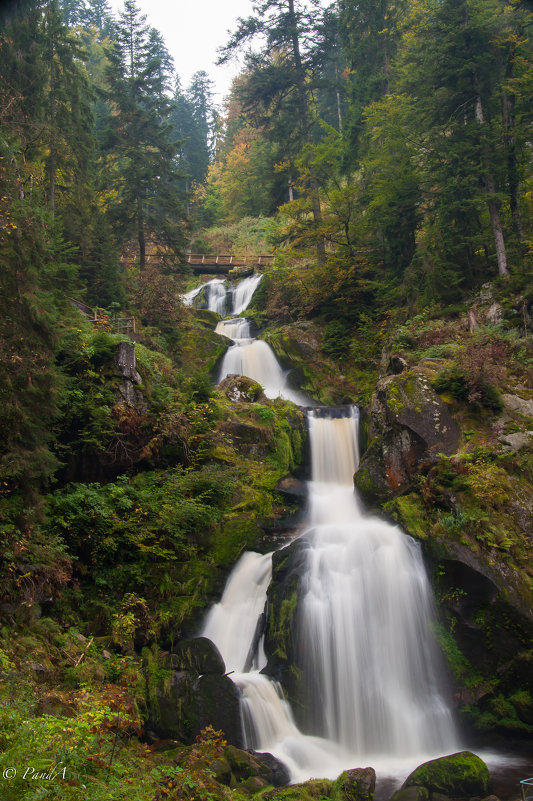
454, 381
157, 516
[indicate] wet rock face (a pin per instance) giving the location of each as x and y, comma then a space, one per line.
281, 641
461, 775
409, 426
190, 692
197, 655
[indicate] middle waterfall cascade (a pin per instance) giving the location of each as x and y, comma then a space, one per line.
247, 356
364, 625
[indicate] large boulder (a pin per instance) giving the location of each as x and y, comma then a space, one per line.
461, 775
414, 793
409, 426
182, 702
247, 771
241, 389
196, 655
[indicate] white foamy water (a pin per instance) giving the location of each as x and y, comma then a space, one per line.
364, 628
366, 616
236, 328
232, 623
256, 359
215, 295
243, 292
219, 297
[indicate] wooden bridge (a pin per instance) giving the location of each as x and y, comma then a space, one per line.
203, 263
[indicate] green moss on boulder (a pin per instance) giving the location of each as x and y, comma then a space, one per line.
461, 775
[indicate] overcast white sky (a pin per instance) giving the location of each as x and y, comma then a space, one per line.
193, 30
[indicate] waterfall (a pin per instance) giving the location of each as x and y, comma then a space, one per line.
215, 295
218, 295
365, 616
364, 633
247, 356
242, 294
256, 359
235, 328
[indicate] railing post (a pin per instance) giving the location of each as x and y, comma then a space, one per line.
523, 784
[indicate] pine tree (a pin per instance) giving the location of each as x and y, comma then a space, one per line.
141, 146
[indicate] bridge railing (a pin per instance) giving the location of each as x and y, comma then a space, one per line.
228, 259
526, 789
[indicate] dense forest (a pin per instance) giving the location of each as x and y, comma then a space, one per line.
380, 155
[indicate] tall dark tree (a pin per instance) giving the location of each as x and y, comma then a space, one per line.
68, 117
456, 84
141, 144
370, 32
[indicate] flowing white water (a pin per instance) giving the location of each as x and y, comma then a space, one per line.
364, 632
242, 293
366, 617
215, 295
218, 296
255, 359
250, 357
236, 328
189, 297
232, 623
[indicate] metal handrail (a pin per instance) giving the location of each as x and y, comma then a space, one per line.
523, 783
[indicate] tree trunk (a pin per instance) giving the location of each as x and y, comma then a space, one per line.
494, 213
338, 94
508, 118
52, 167
140, 233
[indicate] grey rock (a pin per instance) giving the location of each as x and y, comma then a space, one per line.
515, 403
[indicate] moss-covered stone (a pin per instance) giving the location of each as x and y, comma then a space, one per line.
460, 775
299, 348
357, 784
197, 655
313, 790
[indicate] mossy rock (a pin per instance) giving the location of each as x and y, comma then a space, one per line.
241, 389
207, 318
357, 784
197, 655
312, 790
247, 771
461, 775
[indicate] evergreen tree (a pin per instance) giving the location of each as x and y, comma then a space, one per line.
370, 32
456, 86
141, 147
194, 151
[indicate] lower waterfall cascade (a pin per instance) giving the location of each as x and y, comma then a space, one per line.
364, 617
365, 629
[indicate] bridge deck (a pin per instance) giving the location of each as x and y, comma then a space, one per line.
204, 263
